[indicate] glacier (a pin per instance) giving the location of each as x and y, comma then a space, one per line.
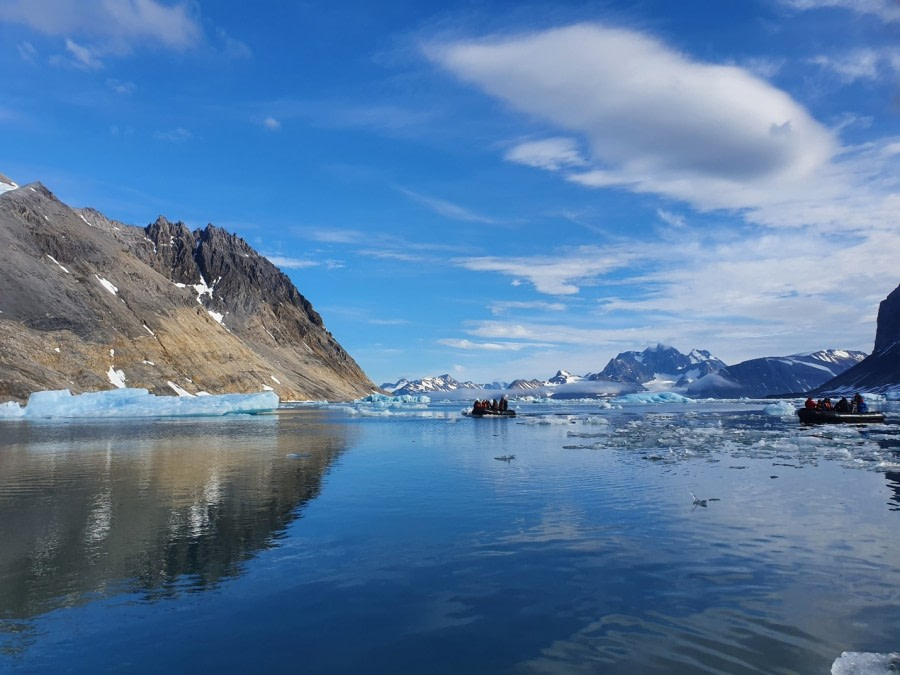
133, 402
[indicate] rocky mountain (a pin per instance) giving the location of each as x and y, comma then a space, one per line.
880, 371
87, 303
662, 364
757, 378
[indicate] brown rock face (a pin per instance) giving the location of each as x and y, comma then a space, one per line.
84, 298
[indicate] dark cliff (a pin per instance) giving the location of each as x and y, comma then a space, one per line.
880, 371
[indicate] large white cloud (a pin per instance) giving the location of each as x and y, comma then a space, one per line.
654, 119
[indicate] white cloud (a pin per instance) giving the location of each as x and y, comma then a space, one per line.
888, 10
551, 153
271, 124
27, 52
737, 293
292, 263
861, 64
673, 219
233, 48
120, 24
303, 263
499, 308
490, 346
121, 87
448, 209
83, 57
177, 135
555, 275
654, 120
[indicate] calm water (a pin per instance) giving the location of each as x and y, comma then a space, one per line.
331, 540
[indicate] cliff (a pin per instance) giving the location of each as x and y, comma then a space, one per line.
880, 371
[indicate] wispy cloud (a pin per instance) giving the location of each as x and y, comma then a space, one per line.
303, 263
860, 64
500, 308
673, 219
555, 275
177, 135
121, 87
491, 346
271, 124
27, 52
83, 57
447, 209
550, 153
119, 24
887, 10
94, 30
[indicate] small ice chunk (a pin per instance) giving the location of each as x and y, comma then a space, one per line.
866, 663
780, 409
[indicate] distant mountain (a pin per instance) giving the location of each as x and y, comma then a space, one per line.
440, 384
663, 368
87, 303
661, 365
757, 378
880, 371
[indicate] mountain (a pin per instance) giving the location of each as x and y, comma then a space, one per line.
880, 371
88, 303
658, 366
758, 378
697, 373
439, 384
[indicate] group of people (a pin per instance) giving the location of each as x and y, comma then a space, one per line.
856, 405
495, 405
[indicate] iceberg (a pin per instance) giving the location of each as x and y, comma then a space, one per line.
130, 402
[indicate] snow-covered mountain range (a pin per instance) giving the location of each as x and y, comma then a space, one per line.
662, 368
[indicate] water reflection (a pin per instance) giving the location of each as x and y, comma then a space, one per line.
157, 506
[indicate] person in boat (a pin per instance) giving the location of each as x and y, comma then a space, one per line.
810, 404
825, 404
842, 406
859, 404
495, 405
504, 403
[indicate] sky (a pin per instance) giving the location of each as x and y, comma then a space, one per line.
488, 189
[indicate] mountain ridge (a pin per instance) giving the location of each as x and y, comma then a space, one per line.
88, 303
697, 373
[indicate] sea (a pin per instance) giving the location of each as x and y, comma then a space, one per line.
405, 537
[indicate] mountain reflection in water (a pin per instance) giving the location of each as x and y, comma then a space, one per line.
94, 509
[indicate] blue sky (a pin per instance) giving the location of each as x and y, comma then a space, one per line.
493, 190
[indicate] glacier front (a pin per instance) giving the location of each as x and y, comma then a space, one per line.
130, 402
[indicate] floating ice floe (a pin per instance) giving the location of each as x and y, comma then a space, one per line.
384, 401
653, 398
130, 402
